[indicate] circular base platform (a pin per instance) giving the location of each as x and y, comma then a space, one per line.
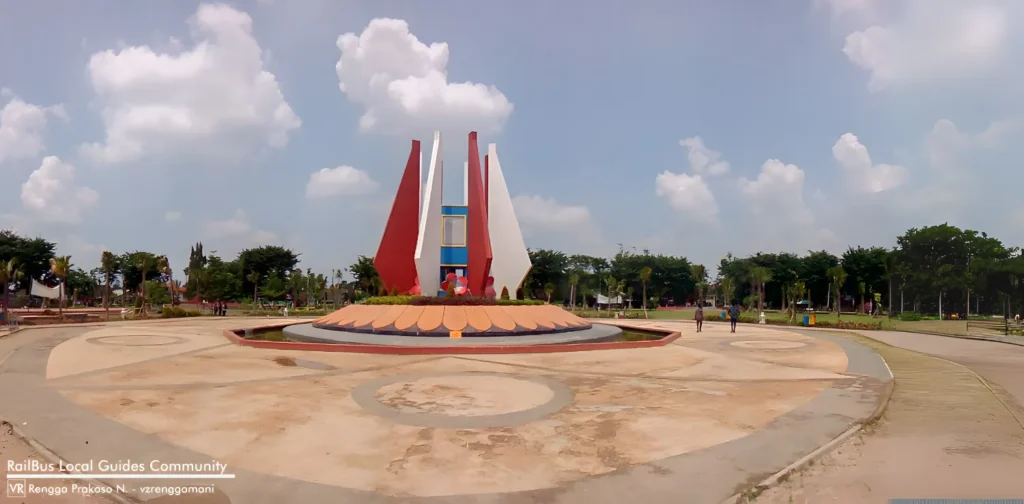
309, 333
442, 320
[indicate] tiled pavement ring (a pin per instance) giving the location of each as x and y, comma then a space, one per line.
468, 392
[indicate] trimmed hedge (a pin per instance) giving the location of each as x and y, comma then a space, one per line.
447, 301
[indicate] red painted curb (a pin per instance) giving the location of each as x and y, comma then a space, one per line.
232, 336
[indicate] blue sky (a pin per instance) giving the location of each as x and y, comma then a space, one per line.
693, 127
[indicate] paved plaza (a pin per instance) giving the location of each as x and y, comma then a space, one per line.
694, 421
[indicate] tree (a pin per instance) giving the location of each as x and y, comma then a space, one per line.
861, 288
794, 292
136, 267
33, 255
144, 264
163, 265
549, 290
548, 267
364, 272
269, 260
728, 289
222, 280
838, 276
645, 278
195, 272
612, 284
574, 280
759, 276
9, 272
254, 278
59, 267
80, 282
108, 263
813, 270
700, 275
273, 288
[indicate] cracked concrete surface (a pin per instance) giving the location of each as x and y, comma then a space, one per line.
643, 420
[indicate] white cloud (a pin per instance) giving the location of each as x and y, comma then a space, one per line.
702, 159
935, 40
548, 224
840, 8
340, 181
778, 191
536, 213
51, 194
688, 194
215, 99
22, 126
84, 254
172, 216
862, 175
403, 84
237, 227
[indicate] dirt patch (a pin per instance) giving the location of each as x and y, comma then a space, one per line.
285, 361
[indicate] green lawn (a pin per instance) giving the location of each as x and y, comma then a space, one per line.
951, 327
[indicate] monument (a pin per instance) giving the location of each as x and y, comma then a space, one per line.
426, 241
454, 261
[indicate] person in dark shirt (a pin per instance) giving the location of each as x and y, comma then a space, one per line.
699, 317
734, 317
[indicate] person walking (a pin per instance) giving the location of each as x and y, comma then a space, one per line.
699, 317
734, 317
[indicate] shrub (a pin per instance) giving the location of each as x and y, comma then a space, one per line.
178, 312
849, 324
631, 314
910, 317
172, 312
393, 291
447, 301
504, 294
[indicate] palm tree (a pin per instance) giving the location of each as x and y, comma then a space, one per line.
108, 262
838, 276
549, 290
254, 277
59, 267
8, 274
700, 275
612, 284
794, 292
145, 262
645, 278
728, 289
574, 278
759, 276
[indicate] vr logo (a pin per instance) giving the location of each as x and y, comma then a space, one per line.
16, 488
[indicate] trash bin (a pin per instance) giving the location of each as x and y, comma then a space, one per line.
812, 316
807, 320
723, 315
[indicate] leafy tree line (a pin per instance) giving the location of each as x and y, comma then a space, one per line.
931, 270
268, 273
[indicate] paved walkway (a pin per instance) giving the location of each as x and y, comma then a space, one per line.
945, 434
721, 409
